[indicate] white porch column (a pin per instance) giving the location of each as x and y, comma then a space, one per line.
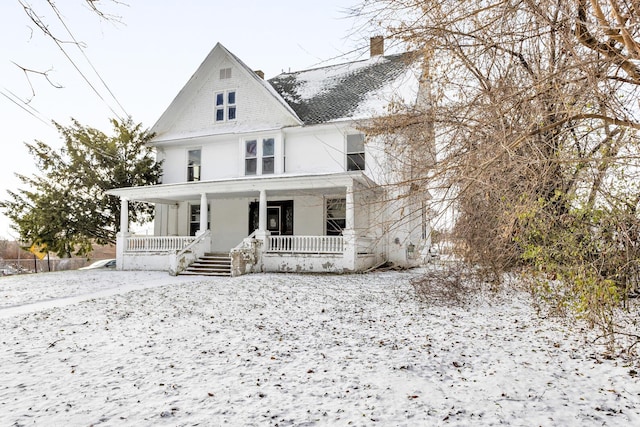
262, 211
124, 215
349, 232
350, 209
204, 214
172, 220
262, 234
121, 237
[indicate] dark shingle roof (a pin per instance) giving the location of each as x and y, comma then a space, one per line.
336, 92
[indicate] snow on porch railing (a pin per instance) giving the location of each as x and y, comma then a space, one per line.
158, 243
306, 244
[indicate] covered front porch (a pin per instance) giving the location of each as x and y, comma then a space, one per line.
301, 223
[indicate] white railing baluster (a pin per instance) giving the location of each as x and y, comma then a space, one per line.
306, 244
158, 243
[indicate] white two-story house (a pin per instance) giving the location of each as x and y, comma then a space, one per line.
277, 175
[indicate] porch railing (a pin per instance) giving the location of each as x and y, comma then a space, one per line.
306, 244
158, 243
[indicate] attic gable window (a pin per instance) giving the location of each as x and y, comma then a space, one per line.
355, 152
225, 106
225, 73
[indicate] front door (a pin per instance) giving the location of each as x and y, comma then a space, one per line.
273, 220
279, 217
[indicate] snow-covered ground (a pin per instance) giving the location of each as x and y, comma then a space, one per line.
146, 349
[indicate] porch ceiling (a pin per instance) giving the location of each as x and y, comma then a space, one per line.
246, 187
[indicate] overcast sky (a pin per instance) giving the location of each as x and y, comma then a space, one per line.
145, 60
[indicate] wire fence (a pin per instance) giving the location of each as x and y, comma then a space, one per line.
26, 265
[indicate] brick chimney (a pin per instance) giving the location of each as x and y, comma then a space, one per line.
260, 73
376, 46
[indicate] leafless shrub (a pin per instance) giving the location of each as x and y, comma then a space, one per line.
447, 284
533, 110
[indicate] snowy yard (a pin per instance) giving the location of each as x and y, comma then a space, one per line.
146, 349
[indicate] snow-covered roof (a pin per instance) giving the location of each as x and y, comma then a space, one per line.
260, 80
354, 90
350, 91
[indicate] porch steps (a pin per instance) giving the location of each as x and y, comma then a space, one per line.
210, 265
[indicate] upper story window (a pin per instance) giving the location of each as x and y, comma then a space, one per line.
194, 165
259, 156
284, 156
225, 106
355, 152
268, 156
251, 157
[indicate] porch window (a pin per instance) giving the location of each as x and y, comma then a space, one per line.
194, 219
355, 152
193, 165
336, 216
225, 106
268, 159
251, 157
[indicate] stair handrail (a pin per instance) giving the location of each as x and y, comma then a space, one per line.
176, 263
244, 256
191, 245
243, 242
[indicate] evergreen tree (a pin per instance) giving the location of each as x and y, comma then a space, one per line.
65, 206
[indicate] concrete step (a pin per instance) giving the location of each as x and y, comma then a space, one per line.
208, 273
205, 264
212, 264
